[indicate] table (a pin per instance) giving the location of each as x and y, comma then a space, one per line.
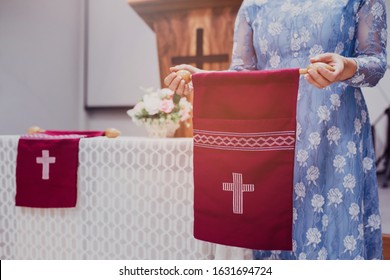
135, 201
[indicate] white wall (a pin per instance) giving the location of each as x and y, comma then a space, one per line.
42, 64
39, 64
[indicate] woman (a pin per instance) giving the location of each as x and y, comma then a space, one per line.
336, 212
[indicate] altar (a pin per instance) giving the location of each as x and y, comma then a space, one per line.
135, 201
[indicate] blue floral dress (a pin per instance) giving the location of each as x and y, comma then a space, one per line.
336, 213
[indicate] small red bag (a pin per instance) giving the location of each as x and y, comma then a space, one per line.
46, 168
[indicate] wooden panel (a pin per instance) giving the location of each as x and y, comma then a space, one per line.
147, 8
175, 23
176, 36
386, 246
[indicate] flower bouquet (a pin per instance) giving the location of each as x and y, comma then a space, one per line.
161, 111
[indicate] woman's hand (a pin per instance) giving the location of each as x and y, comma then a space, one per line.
344, 68
177, 83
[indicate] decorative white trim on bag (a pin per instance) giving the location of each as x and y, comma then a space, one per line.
261, 141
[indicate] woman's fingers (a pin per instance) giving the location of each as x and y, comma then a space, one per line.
316, 79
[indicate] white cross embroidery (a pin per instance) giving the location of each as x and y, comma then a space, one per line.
238, 188
45, 160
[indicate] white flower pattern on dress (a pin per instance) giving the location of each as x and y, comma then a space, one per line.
351, 146
300, 191
350, 244
312, 174
315, 140
349, 182
334, 135
334, 170
368, 164
339, 162
335, 100
302, 157
335, 197
354, 211
324, 114
374, 222
317, 202
313, 236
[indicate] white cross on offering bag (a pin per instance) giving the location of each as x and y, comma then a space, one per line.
238, 188
45, 160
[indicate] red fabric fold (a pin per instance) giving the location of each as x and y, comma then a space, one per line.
46, 168
244, 140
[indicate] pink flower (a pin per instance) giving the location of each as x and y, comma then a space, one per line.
167, 106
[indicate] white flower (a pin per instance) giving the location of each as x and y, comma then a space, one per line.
377, 10
160, 107
299, 130
351, 146
334, 135
354, 211
323, 113
275, 255
342, 23
317, 18
349, 244
358, 126
368, 163
274, 60
339, 162
339, 48
358, 79
312, 174
358, 96
313, 236
300, 191
275, 28
166, 93
322, 254
383, 34
295, 215
335, 197
263, 46
364, 116
317, 202
305, 35
351, 32
302, 256
295, 44
374, 222
316, 50
152, 104
314, 139
302, 157
335, 100
349, 182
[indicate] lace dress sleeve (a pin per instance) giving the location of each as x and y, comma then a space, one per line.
370, 44
243, 54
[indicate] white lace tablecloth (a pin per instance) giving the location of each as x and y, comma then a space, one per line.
135, 201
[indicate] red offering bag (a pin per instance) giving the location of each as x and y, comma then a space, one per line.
244, 143
46, 168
